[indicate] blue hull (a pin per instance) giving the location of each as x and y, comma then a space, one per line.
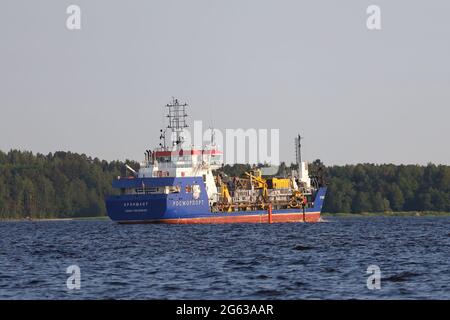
184, 207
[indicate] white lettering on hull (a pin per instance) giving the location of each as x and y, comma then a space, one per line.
135, 204
182, 203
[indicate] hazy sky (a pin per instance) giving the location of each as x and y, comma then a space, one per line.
309, 67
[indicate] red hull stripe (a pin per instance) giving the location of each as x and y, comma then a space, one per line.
279, 217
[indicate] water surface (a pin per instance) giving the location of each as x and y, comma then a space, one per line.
241, 261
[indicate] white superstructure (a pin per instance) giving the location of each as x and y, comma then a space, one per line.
174, 161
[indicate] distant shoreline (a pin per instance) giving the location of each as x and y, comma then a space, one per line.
325, 215
388, 214
56, 219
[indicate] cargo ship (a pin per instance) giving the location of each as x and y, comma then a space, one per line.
187, 186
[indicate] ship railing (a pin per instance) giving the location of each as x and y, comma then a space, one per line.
156, 190
176, 165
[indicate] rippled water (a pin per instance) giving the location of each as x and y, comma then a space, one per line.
247, 261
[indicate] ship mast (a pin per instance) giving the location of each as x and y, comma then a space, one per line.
177, 121
298, 150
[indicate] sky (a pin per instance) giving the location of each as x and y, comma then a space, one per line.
308, 67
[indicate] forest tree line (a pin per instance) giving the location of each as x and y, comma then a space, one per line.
65, 184
387, 188
57, 185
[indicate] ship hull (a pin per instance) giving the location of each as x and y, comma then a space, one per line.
242, 218
185, 208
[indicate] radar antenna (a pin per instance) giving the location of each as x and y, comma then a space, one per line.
177, 120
